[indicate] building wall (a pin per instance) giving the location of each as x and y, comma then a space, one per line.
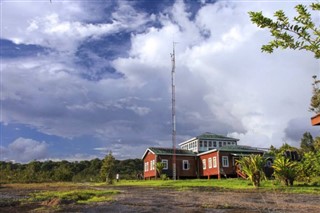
210, 168
149, 171
188, 172
230, 168
191, 171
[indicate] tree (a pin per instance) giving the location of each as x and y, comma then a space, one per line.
301, 35
315, 99
310, 166
316, 144
159, 167
307, 142
252, 166
107, 171
285, 170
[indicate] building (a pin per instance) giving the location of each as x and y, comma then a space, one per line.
207, 155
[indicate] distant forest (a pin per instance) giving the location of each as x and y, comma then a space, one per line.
78, 171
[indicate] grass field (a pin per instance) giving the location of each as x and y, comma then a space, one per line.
224, 184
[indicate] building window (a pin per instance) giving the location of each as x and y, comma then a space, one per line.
214, 144
210, 144
209, 163
204, 165
146, 166
205, 143
224, 143
185, 165
152, 165
220, 144
165, 164
200, 143
214, 162
225, 161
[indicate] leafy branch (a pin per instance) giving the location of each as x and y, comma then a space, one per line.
302, 34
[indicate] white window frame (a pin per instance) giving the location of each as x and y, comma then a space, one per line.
204, 164
165, 164
153, 164
214, 162
209, 163
147, 166
225, 161
187, 163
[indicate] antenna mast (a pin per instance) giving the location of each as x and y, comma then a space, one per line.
173, 59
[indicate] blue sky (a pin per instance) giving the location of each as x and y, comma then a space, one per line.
81, 78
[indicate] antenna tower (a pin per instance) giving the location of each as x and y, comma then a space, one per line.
173, 59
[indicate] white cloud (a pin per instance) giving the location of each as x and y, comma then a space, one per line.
25, 150
224, 83
52, 28
73, 157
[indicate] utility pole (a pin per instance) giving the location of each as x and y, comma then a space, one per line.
174, 160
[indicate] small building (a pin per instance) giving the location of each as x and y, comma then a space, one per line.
207, 155
185, 162
223, 161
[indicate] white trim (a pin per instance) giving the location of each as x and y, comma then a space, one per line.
209, 163
204, 164
187, 141
214, 162
146, 153
152, 162
225, 163
165, 163
188, 164
207, 152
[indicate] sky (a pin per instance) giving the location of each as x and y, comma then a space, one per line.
82, 78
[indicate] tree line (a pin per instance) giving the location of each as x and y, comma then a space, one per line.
78, 171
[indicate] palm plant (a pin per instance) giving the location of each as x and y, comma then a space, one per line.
159, 167
285, 170
252, 166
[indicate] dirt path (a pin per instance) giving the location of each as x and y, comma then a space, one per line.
147, 199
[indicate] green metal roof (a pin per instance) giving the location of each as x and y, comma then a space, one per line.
169, 151
240, 149
209, 135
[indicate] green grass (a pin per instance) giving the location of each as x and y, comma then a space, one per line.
77, 196
224, 184
231, 183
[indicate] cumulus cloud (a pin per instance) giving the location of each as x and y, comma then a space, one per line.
24, 150
224, 84
54, 29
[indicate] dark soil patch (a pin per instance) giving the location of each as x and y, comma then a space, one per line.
149, 199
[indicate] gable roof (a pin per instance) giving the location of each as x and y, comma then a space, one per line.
168, 151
